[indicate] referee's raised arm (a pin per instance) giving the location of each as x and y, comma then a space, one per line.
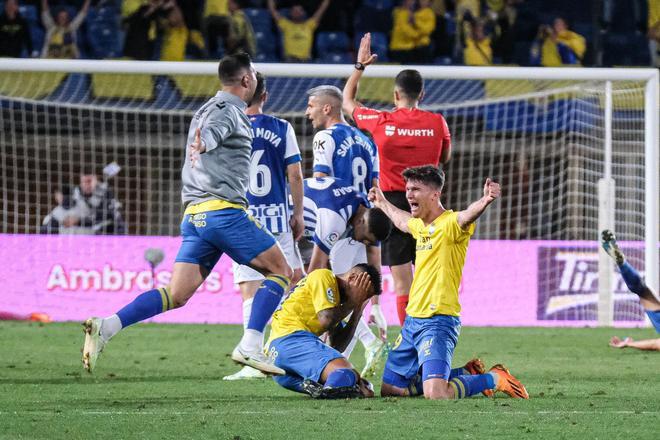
364, 58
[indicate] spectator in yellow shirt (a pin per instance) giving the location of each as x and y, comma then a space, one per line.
298, 33
404, 38
424, 22
241, 35
61, 33
558, 46
175, 33
478, 50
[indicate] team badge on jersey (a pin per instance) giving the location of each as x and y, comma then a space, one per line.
330, 294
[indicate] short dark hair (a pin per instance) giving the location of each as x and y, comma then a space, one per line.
379, 224
260, 89
410, 83
427, 174
374, 274
231, 67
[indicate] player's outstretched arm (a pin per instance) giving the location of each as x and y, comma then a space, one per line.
644, 344
273, 10
320, 11
474, 211
364, 57
398, 216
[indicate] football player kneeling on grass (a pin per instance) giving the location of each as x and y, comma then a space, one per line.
319, 303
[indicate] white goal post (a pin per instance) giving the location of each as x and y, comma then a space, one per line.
612, 133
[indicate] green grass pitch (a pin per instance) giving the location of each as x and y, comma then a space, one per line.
164, 381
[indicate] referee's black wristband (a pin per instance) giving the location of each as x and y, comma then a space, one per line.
359, 66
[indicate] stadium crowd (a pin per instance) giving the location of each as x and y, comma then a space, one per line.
444, 32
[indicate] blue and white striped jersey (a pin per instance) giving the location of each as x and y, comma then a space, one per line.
274, 148
346, 153
329, 204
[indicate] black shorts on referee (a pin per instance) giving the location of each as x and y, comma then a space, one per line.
399, 247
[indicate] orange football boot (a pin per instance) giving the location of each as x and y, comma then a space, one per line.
508, 384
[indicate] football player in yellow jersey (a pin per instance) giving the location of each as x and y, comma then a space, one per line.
430, 331
318, 304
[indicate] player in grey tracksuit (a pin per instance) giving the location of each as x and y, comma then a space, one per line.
215, 178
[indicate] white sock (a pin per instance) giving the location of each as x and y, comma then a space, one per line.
252, 341
364, 333
110, 327
350, 347
247, 309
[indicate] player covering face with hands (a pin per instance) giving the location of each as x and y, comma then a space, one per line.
320, 303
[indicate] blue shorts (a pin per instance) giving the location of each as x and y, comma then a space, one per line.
206, 236
654, 316
303, 356
422, 340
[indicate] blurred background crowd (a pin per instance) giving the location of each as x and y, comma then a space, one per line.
441, 32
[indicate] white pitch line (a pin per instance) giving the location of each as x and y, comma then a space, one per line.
362, 411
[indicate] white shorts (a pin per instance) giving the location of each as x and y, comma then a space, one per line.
289, 247
345, 254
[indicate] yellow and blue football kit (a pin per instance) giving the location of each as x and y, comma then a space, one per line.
440, 253
294, 343
212, 228
430, 331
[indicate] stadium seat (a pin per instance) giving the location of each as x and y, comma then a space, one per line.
379, 44
383, 5
267, 58
259, 18
336, 58
37, 35
73, 89
30, 14
266, 41
103, 32
331, 42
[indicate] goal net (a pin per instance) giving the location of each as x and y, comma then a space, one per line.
551, 137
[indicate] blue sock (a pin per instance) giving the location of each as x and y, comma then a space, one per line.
266, 300
632, 278
342, 377
291, 382
466, 386
455, 372
150, 303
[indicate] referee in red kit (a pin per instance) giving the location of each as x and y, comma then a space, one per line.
405, 137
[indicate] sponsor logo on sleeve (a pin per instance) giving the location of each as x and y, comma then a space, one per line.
319, 146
